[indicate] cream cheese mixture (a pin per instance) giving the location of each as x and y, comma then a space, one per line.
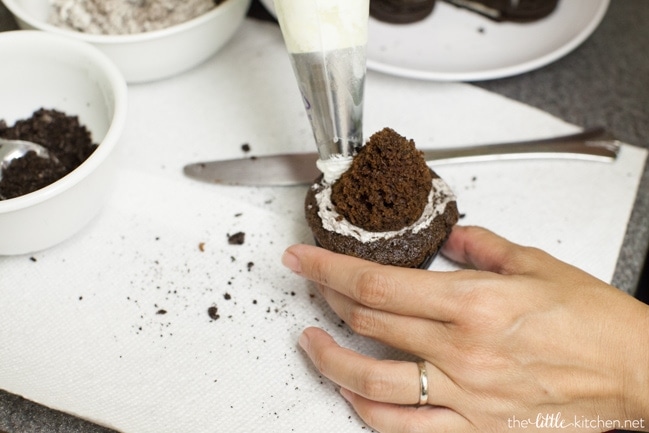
339, 23
440, 195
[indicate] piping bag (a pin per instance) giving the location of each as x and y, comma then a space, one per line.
326, 41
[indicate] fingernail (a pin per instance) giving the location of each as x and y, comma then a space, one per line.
347, 395
304, 341
291, 261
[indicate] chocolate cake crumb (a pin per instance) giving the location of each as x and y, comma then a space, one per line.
227, 296
161, 312
245, 147
250, 265
387, 186
237, 239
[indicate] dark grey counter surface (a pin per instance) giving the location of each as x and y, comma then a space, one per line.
604, 82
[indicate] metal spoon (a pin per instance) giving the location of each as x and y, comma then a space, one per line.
14, 149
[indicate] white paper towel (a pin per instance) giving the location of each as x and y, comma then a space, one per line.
113, 324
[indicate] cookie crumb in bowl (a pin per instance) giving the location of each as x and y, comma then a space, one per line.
61, 134
121, 17
72, 77
151, 55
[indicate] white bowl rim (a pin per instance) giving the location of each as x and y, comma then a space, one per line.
221, 8
109, 141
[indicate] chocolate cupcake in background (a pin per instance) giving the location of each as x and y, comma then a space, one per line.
401, 11
389, 207
509, 10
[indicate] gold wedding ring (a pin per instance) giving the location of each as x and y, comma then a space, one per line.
423, 383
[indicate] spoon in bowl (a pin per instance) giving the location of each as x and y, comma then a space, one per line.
14, 149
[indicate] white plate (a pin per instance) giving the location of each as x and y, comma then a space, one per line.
460, 45
455, 44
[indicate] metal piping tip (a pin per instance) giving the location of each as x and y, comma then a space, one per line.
326, 41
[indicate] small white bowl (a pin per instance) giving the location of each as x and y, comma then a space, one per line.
42, 70
151, 55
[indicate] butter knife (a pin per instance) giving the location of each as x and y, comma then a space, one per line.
594, 144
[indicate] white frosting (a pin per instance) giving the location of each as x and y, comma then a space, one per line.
333, 167
322, 25
440, 195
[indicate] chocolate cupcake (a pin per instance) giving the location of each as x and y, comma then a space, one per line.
401, 11
509, 10
389, 207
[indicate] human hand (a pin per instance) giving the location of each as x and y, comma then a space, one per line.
523, 341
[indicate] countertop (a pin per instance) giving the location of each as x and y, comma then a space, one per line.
603, 82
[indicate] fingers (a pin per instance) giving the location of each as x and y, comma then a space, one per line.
394, 382
402, 291
392, 418
410, 334
486, 251
388, 303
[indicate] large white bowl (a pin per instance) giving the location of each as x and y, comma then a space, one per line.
151, 55
42, 70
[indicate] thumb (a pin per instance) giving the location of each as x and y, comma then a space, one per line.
483, 250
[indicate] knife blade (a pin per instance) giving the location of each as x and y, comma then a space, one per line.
594, 144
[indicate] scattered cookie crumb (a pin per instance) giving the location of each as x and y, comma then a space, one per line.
213, 312
201, 247
237, 239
